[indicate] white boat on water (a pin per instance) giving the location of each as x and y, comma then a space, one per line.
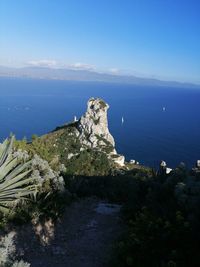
164, 109
122, 120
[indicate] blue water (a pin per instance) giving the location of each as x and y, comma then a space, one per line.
148, 134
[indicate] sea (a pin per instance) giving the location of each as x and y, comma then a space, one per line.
159, 123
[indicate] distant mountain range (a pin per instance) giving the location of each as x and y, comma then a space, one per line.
85, 75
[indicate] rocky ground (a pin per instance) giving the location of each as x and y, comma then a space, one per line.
83, 238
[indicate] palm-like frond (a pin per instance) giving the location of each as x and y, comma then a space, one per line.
15, 182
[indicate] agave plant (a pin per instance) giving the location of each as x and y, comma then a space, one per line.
16, 184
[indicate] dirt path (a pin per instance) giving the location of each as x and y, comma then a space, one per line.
83, 238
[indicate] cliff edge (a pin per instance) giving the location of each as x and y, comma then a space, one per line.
83, 147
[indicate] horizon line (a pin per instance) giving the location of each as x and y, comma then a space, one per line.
95, 70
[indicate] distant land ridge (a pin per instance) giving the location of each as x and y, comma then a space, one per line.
86, 75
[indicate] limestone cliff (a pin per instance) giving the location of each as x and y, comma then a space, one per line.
93, 129
93, 126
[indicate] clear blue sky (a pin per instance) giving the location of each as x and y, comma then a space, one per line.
153, 38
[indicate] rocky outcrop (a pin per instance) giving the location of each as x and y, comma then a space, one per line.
118, 159
93, 126
163, 168
93, 129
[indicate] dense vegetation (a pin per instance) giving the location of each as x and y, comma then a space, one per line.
29, 190
62, 148
15, 186
161, 212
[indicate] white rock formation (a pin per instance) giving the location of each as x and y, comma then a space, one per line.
93, 126
93, 129
198, 164
164, 168
168, 170
119, 160
71, 155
